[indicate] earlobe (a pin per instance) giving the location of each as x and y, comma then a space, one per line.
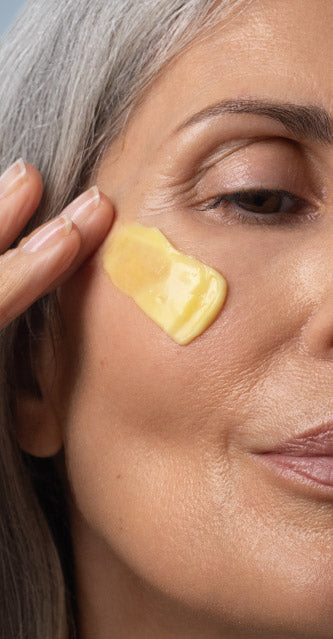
37, 423
37, 429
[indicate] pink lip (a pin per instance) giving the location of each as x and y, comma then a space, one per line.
309, 455
318, 468
316, 442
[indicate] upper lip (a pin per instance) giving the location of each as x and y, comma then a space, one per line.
317, 442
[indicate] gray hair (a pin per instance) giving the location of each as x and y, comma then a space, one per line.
71, 73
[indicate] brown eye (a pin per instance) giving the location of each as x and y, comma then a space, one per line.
265, 202
262, 206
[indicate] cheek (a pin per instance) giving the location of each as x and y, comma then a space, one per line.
136, 423
126, 371
152, 434
143, 445
123, 365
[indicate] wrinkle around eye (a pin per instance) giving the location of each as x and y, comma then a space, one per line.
174, 185
180, 177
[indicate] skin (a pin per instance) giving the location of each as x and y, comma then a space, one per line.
178, 529
27, 275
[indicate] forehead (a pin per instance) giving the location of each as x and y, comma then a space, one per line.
277, 50
274, 50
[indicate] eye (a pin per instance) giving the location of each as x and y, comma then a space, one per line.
263, 201
261, 206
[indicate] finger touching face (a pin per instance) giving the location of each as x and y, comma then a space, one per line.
230, 157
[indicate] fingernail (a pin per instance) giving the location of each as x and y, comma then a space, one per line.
12, 178
49, 234
79, 210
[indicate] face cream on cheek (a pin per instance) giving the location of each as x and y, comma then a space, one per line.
179, 293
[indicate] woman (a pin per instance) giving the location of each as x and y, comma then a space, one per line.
151, 489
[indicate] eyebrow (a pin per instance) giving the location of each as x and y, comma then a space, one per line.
302, 121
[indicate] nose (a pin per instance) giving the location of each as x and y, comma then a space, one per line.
317, 334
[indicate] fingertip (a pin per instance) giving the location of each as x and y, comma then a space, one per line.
28, 192
107, 206
35, 179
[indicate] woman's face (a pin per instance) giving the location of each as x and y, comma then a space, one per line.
160, 439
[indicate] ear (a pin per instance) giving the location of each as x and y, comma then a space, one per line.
37, 424
37, 428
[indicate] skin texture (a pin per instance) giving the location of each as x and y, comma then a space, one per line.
178, 529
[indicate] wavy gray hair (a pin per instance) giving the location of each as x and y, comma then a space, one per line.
71, 73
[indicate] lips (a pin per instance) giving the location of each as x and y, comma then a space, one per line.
307, 456
314, 443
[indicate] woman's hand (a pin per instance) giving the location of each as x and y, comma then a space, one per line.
51, 253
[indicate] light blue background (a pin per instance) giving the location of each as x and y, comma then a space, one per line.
8, 12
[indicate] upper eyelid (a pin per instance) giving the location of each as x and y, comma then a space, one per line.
304, 188
220, 154
226, 149
195, 173
223, 151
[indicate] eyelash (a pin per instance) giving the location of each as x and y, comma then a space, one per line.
292, 216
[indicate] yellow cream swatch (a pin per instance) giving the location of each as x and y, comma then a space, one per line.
179, 293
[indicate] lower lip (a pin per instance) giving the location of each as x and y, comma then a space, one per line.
318, 469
